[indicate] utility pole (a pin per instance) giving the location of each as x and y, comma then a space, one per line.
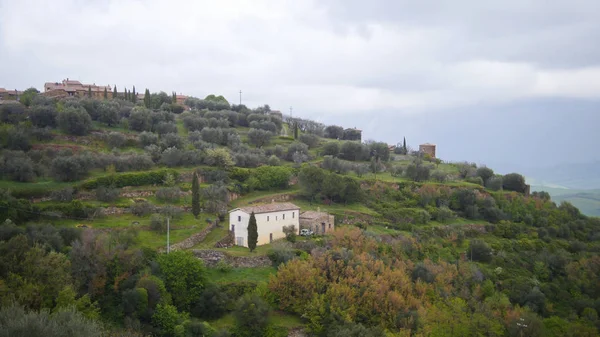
240, 97
168, 246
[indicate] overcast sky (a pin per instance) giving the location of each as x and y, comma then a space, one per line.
512, 84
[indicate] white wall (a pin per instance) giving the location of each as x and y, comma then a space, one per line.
238, 220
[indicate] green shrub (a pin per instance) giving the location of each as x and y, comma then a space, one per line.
75, 209
158, 223
271, 177
238, 289
142, 208
130, 179
107, 194
170, 194
223, 266
63, 195
475, 180
494, 183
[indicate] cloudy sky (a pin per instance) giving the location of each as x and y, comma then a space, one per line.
513, 84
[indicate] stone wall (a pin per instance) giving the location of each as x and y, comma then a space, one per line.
273, 198
212, 257
193, 240
227, 241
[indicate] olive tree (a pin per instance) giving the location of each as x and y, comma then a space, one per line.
75, 121
259, 138
43, 115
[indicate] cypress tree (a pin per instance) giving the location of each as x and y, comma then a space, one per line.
252, 232
404, 146
147, 98
174, 99
195, 195
115, 91
125, 93
295, 130
105, 93
89, 92
133, 96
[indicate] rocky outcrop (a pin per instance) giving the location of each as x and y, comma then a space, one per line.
212, 257
297, 332
136, 194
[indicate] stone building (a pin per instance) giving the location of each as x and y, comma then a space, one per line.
270, 220
427, 148
318, 222
10, 95
69, 87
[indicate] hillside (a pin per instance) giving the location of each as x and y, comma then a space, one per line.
421, 247
586, 200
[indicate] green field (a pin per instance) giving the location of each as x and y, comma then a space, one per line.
240, 275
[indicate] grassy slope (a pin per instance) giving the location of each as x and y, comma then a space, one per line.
240, 274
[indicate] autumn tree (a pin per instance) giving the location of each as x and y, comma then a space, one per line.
252, 232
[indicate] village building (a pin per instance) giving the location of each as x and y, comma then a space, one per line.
10, 95
180, 99
318, 222
427, 148
68, 88
270, 220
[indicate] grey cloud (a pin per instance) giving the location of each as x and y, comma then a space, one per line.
439, 71
544, 33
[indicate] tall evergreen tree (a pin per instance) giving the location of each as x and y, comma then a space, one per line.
133, 96
89, 91
115, 91
105, 93
252, 232
195, 195
125, 93
147, 100
295, 130
174, 99
128, 95
404, 146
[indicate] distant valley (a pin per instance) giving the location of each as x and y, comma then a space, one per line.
587, 200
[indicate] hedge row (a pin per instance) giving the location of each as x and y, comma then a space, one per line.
130, 179
75, 209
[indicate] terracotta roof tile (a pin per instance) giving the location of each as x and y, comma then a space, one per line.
312, 215
268, 208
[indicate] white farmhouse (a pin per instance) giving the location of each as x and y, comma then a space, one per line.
270, 220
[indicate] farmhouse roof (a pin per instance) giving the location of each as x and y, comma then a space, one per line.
428, 144
312, 215
268, 208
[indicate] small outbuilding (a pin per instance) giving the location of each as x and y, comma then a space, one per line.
318, 222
